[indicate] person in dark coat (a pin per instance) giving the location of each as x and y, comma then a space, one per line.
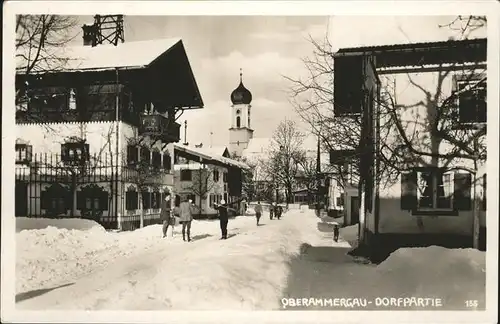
336, 232
279, 211
166, 215
223, 211
271, 211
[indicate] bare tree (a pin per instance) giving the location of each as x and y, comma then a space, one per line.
248, 177
313, 99
410, 134
39, 43
202, 183
284, 154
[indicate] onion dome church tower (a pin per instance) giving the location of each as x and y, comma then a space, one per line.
240, 132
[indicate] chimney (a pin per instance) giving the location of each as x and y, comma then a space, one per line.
89, 35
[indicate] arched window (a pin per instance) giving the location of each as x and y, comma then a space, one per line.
238, 121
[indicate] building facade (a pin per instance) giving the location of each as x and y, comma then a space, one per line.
206, 179
437, 145
95, 136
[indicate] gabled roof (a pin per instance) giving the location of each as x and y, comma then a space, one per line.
215, 150
137, 54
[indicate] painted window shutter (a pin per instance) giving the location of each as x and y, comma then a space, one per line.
80, 200
408, 190
103, 200
462, 191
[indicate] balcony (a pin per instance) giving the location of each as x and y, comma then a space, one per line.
160, 127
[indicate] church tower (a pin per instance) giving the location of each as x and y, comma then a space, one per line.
240, 132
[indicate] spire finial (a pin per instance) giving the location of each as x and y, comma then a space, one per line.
241, 75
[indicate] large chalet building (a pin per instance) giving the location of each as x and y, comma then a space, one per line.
423, 180
95, 136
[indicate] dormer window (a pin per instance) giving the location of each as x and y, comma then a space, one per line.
75, 152
23, 153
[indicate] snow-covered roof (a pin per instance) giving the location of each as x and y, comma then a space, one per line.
207, 156
102, 57
257, 145
214, 150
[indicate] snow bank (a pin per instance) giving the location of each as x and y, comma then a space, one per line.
454, 275
27, 223
51, 256
248, 271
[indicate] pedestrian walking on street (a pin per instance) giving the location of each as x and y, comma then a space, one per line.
166, 216
258, 212
279, 211
223, 211
185, 218
271, 211
336, 232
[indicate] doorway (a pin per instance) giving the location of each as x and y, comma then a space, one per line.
21, 198
354, 210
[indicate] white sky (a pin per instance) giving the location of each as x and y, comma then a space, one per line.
266, 47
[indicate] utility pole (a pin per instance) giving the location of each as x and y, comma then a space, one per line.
318, 175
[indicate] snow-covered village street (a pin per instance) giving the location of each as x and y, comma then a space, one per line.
295, 257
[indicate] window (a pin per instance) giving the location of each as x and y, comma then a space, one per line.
225, 198
23, 153
471, 101
211, 200
131, 199
146, 200
435, 189
132, 154
186, 175
155, 200
340, 200
224, 177
216, 176
238, 121
56, 200
145, 155
167, 161
49, 99
92, 200
75, 152
156, 159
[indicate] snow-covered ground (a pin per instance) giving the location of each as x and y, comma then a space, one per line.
294, 257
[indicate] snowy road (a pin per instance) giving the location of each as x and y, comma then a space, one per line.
294, 257
172, 274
